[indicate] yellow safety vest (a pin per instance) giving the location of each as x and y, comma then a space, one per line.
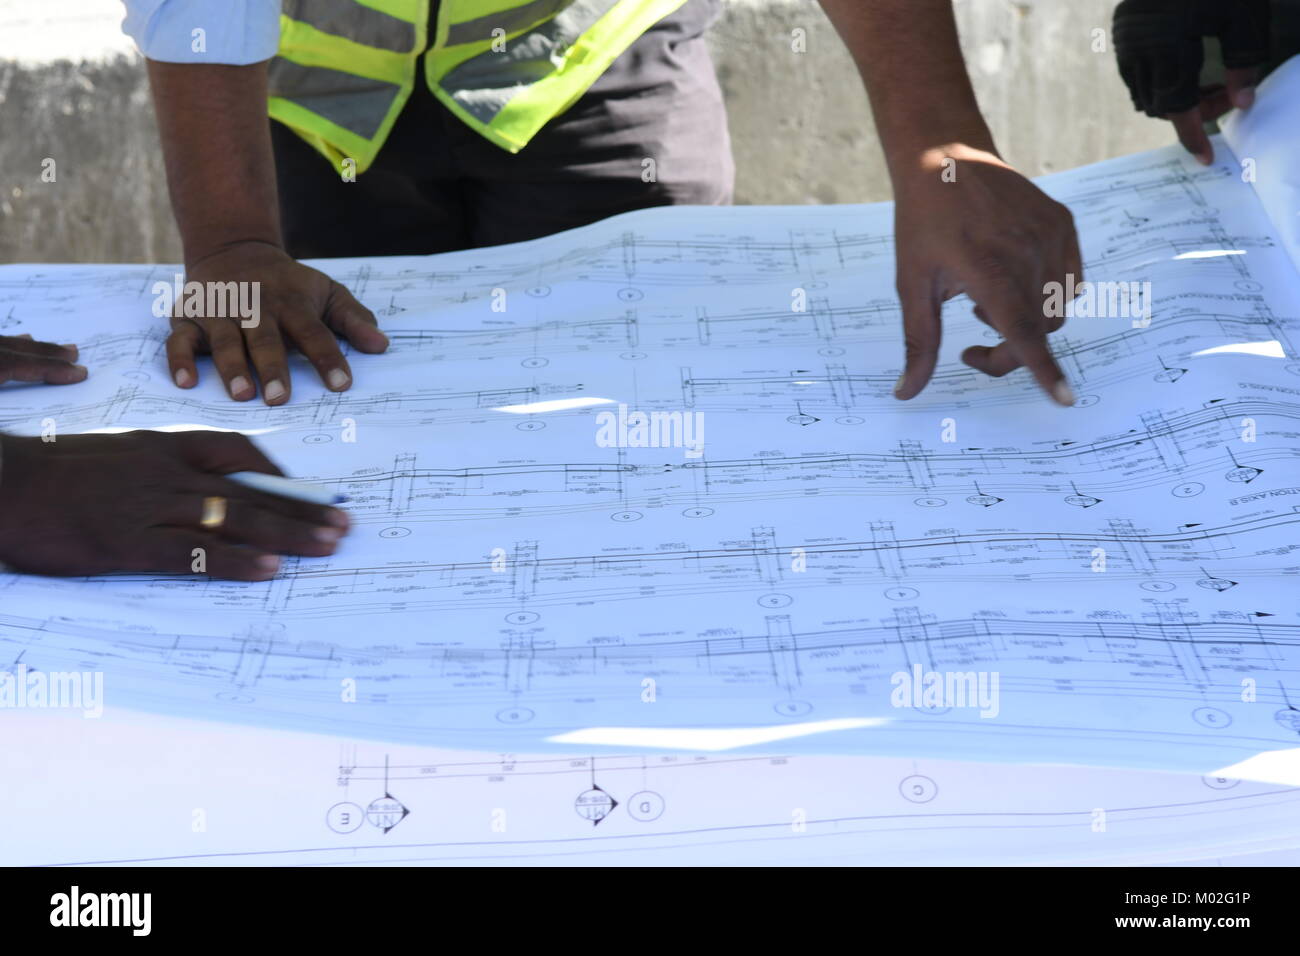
345, 68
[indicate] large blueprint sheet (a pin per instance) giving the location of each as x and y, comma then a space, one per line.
185, 792
1126, 568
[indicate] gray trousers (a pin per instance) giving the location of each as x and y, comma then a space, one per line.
652, 131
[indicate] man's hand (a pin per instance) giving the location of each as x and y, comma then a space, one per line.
24, 360
87, 504
227, 210
967, 222
299, 306
1158, 44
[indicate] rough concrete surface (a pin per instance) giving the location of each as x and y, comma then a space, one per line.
72, 89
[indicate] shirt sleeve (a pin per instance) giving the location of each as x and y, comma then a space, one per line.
233, 32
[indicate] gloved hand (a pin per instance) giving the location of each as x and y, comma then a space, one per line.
1159, 47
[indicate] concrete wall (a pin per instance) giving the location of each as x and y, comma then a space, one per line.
72, 89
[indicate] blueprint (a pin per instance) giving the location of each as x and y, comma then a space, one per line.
532, 570
184, 792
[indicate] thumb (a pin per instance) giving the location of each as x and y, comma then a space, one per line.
1241, 86
223, 453
351, 320
1191, 133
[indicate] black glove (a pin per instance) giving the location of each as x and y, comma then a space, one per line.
1158, 45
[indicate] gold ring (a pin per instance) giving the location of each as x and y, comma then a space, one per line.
214, 513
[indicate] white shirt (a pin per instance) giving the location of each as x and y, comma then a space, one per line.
235, 32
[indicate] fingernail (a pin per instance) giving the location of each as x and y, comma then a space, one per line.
327, 535
82, 369
274, 391
898, 386
1246, 98
183, 377
25, 335
72, 349
239, 386
1062, 392
268, 562
337, 379
1204, 158
337, 518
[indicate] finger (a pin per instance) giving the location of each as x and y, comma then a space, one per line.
1019, 318
185, 340
1029, 342
226, 343
217, 454
1071, 280
266, 349
20, 367
353, 321
267, 530
179, 550
1241, 86
318, 344
1073, 257
921, 336
26, 345
1191, 133
1214, 103
994, 361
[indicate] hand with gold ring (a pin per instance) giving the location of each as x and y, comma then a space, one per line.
148, 501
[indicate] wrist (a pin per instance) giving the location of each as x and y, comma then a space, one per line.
938, 163
907, 147
246, 245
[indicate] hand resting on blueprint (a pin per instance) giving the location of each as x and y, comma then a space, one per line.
88, 504
24, 360
297, 306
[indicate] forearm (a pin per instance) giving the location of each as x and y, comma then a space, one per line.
216, 144
910, 60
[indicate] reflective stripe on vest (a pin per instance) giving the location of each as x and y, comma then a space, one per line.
344, 71
345, 68
359, 23
355, 103
510, 21
507, 81
484, 84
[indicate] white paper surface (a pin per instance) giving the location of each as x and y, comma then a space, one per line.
1264, 143
1126, 568
183, 792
